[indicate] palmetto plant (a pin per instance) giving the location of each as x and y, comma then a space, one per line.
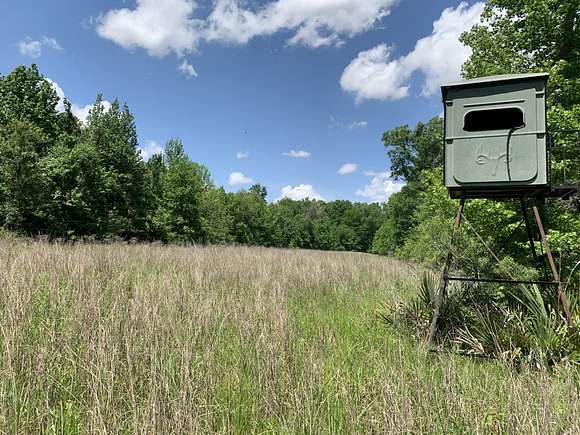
522, 326
529, 329
418, 310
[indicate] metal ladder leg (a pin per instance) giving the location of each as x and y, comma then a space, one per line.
443, 282
561, 295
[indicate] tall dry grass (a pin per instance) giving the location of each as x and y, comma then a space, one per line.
152, 339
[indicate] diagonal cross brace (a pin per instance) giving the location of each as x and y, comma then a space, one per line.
445, 274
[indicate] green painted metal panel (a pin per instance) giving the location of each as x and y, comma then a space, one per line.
495, 133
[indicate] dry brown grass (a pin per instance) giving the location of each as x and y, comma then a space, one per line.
151, 339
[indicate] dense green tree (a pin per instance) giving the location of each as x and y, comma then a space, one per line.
69, 126
385, 241
216, 219
363, 220
399, 220
74, 178
324, 235
259, 190
23, 194
122, 208
29, 127
291, 225
413, 151
25, 95
518, 36
342, 236
536, 36
250, 218
178, 214
539, 36
154, 172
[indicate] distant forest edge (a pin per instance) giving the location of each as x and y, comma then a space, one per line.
66, 179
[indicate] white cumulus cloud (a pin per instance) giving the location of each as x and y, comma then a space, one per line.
158, 26
150, 149
375, 74
239, 179
165, 26
302, 191
381, 187
300, 154
242, 155
315, 23
187, 69
348, 168
33, 48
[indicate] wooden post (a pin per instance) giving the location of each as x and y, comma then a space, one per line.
443, 282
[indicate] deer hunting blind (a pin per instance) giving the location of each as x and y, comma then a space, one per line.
497, 146
496, 143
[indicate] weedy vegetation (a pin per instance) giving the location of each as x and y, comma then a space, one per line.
167, 339
521, 325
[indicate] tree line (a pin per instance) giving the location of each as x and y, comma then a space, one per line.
67, 179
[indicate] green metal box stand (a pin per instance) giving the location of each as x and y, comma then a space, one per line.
496, 143
497, 146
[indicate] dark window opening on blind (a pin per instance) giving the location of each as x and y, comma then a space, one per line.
494, 119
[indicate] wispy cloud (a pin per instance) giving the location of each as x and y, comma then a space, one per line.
33, 48
187, 69
347, 125
242, 155
51, 43
348, 168
300, 154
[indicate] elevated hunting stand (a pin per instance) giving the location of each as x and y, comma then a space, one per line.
497, 147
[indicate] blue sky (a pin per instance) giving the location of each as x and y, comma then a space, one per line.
280, 92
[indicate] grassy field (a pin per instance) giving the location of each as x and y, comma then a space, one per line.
151, 339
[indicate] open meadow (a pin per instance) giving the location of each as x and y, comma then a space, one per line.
154, 339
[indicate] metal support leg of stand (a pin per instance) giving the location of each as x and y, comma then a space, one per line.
443, 282
561, 294
530, 233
